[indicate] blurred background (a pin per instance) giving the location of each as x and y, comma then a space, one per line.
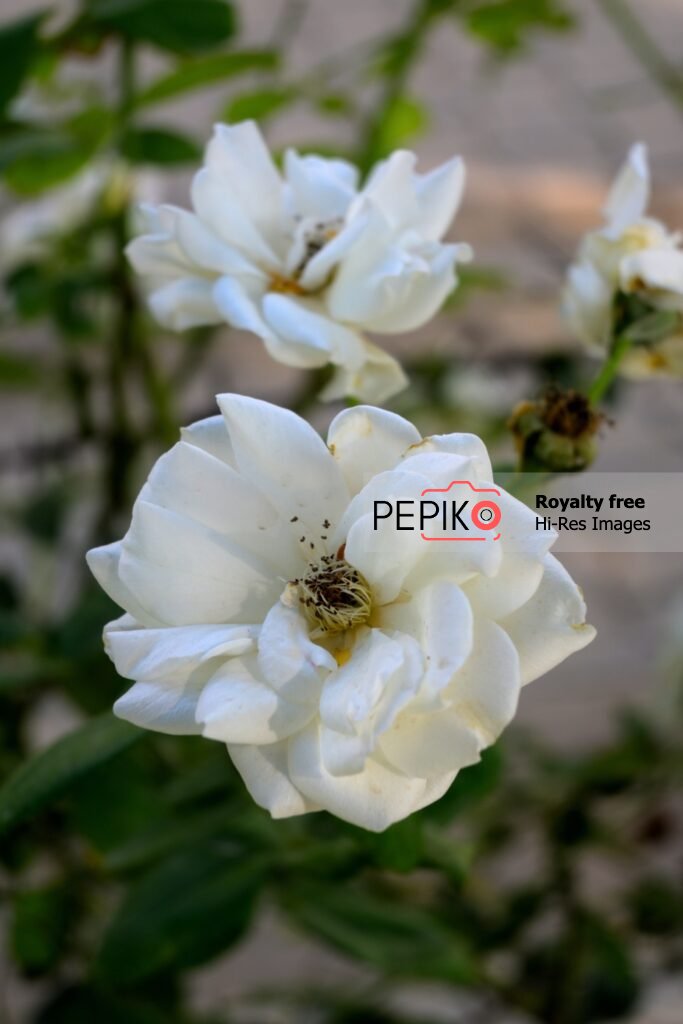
137, 882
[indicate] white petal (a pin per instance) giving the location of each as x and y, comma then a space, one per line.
391, 187
630, 193
240, 310
373, 799
288, 659
439, 617
238, 156
160, 707
551, 625
376, 380
205, 249
264, 772
186, 574
318, 339
184, 303
414, 298
523, 549
384, 556
587, 304
236, 707
194, 484
467, 445
344, 754
283, 456
319, 268
438, 195
103, 563
218, 206
424, 745
484, 692
381, 676
365, 441
319, 187
211, 435
658, 270
172, 654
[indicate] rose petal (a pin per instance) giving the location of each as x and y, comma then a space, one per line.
365, 441
264, 773
551, 625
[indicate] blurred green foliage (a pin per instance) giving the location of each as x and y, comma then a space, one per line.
127, 859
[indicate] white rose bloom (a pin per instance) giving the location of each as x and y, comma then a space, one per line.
634, 254
304, 259
345, 670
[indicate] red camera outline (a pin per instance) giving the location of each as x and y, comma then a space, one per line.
477, 490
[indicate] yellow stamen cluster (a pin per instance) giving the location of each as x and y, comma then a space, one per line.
334, 595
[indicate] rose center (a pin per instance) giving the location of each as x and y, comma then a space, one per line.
334, 596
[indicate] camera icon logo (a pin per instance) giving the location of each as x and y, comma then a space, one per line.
460, 512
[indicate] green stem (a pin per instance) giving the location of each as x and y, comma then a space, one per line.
609, 368
644, 49
407, 46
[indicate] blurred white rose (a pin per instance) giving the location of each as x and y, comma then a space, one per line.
635, 255
304, 259
345, 669
30, 228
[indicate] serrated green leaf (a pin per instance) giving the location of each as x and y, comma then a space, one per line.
198, 73
49, 773
181, 914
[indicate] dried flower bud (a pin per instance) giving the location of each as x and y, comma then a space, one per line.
555, 432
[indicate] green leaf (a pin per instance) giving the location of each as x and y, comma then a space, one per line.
49, 773
390, 935
19, 46
504, 24
471, 786
40, 921
405, 119
168, 837
44, 163
158, 146
398, 848
259, 104
654, 327
83, 1005
656, 905
335, 104
18, 371
206, 71
184, 912
174, 25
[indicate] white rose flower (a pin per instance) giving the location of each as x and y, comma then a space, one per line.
305, 260
632, 254
346, 669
